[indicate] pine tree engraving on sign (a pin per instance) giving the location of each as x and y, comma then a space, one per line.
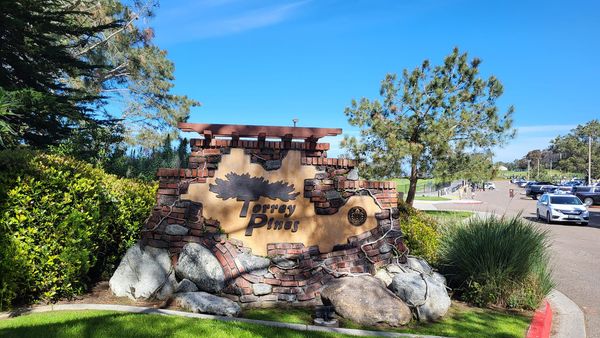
246, 188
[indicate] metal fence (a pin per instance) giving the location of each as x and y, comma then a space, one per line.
432, 188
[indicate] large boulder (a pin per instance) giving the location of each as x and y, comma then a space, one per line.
144, 273
426, 293
420, 265
186, 285
202, 302
252, 264
366, 301
199, 265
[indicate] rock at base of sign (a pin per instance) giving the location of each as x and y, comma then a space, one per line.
426, 293
252, 264
144, 273
186, 285
202, 302
199, 265
419, 286
365, 300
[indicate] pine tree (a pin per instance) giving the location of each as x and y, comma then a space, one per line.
428, 117
36, 40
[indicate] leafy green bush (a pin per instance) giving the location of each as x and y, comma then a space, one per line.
497, 261
63, 224
421, 234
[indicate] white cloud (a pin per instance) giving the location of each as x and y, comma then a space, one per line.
216, 18
545, 128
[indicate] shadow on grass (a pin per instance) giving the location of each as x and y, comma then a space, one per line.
478, 323
110, 324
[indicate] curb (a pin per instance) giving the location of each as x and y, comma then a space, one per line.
541, 323
148, 310
569, 321
463, 201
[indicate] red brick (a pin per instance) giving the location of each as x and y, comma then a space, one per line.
220, 258
306, 296
251, 278
229, 259
272, 281
289, 283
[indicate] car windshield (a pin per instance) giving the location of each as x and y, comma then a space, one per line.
571, 200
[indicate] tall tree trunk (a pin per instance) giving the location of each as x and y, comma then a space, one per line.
412, 187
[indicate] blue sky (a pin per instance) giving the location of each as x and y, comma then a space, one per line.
266, 62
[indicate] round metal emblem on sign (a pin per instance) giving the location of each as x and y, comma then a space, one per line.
357, 216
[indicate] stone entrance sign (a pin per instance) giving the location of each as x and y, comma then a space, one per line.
275, 217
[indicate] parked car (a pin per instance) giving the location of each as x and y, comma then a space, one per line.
590, 196
522, 184
489, 186
535, 190
581, 188
530, 183
564, 190
562, 208
573, 183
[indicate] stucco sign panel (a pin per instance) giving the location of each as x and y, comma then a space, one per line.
259, 207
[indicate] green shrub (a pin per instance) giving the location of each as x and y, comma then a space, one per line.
421, 234
64, 224
497, 261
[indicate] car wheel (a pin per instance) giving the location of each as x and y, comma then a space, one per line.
535, 197
588, 201
548, 218
584, 223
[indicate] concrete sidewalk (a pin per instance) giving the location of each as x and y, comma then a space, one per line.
568, 321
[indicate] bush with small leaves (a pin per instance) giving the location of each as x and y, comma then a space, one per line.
63, 224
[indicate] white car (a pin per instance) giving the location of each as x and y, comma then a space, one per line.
562, 208
489, 186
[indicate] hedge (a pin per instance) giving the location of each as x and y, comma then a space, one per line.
64, 224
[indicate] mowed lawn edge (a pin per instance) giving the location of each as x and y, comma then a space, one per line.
460, 321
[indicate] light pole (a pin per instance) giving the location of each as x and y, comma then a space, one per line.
590, 160
295, 121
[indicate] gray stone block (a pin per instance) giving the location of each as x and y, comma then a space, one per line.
199, 265
202, 302
176, 230
261, 289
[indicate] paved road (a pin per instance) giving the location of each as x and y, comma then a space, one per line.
575, 249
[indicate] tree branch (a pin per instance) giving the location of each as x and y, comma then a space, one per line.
135, 17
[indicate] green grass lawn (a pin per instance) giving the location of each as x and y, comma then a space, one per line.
91, 324
402, 184
431, 198
446, 216
461, 321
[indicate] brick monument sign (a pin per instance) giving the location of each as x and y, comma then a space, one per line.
280, 217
